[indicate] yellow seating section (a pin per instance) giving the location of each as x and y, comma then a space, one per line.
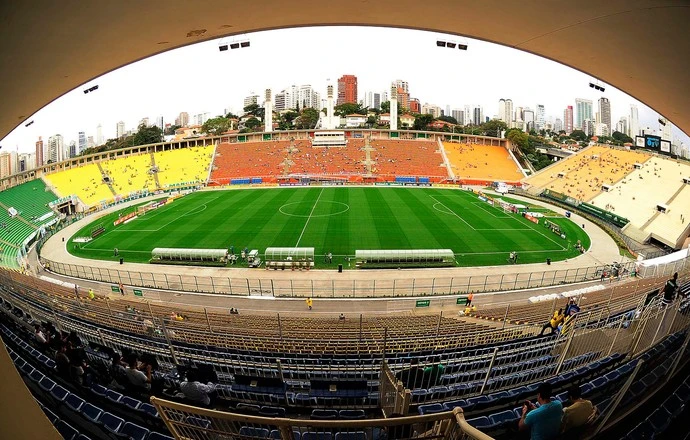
131, 173
470, 161
86, 182
184, 165
584, 173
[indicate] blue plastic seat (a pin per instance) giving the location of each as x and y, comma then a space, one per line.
82, 437
642, 431
111, 422
130, 402
351, 414
502, 417
74, 402
134, 432
275, 435
27, 369
159, 436
317, 436
272, 411
250, 431
113, 396
480, 422
659, 419
455, 403
99, 390
67, 432
36, 376
357, 435
324, 414
198, 421
46, 384
683, 392
59, 393
91, 413
431, 408
149, 409
51, 415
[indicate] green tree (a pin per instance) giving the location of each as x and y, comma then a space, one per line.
422, 121
621, 137
307, 119
216, 126
252, 123
169, 131
231, 116
386, 107
147, 135
578, 135
348, 108
494, 127
252, 109
449, 119
371, 120
519, 138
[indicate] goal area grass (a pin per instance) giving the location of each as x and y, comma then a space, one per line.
337, 220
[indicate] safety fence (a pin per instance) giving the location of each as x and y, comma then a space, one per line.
294, 287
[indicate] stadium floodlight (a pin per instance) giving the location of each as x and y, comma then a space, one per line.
592, 85
244, 43
662, 122
234, 45
223, 47
29, 123
462, 46
601, 89
440, 43
450, 45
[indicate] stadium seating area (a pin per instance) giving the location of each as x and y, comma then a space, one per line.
581, 176
486, 162
184, 165
131, 173
659, 181
86, 182
407, 158
250, 159
328, 161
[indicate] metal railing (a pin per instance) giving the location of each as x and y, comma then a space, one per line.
334, 288
188, 422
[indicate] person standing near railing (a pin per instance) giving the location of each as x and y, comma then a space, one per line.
670, 289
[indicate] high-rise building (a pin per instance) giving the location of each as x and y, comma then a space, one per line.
72, 149
415, 105
540, 117
347, 90
588, 127
82, 143
605, 111
583, 112
25, 162
201, 118
459, 116
55, 151
478, 115
120, 129
182, 119
372, 100
307, 97
39, 152
502, 109
665, 129
280, 101
8, 163
90, 143
558, 125
159, 123
633, 122
251, 100
403, 91
568, 119
99, 135
622, 125
144, 121
528, 119
431, 109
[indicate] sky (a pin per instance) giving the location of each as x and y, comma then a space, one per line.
200, 78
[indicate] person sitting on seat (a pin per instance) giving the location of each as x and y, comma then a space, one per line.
544, 422
138, 378
196, 391
578, 413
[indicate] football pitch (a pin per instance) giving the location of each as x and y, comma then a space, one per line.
338, 220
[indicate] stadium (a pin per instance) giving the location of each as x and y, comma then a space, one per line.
343, 285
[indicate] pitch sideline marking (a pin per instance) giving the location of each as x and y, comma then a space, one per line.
309, 218
450, 211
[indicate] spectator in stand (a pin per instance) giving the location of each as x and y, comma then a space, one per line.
118, 371
62, 363
670, 289
578, 413
41, 338
77, 362
544, 422
136, 377
555, 321
195, 391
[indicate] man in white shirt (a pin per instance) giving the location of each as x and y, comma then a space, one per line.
196, 391
137, 377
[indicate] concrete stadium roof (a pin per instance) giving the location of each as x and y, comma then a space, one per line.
48, 48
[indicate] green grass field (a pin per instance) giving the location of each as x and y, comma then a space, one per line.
338, 220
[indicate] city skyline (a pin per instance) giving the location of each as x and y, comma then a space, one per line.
139, 91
